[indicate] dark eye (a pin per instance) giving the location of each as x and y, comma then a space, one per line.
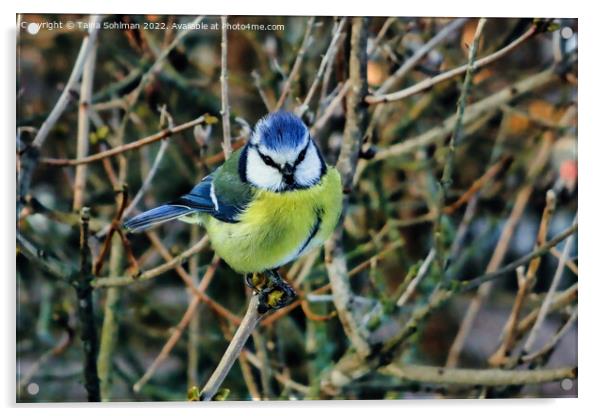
267, 160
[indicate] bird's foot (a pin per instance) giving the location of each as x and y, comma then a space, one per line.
275, 294
255, 281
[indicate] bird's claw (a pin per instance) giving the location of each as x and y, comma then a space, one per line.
274, 293
275, 297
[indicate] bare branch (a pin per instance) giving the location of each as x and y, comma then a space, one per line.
30, 157
471, 114
297, 64
418, 55
430, 82
225, 112
246, 327
355, 125
85, 308
482, 377
545, 307
151, 274
328, 56
163, 134
83, 127
180, 327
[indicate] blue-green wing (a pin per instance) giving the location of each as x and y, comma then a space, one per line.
222, 194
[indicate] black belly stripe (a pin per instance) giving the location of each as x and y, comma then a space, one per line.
314, 230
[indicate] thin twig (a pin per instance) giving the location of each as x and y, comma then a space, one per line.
179, 328
520, 204
545, 307
225, 112
430, 82
246, 327
492, 172
472, 113
549, 346
328, 56
560, 300
266, 101
64, 343
247, 375
29, 158
477, 281
126, 147
499, 357
83, 128
112, 228
144, 188
525, 282
422, 272
446, 176
45, 261
284, 380
419, 54
150, 274
297, 64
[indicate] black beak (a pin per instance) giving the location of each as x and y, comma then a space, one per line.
288, 172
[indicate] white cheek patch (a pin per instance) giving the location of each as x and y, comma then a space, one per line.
260, 174
309, 170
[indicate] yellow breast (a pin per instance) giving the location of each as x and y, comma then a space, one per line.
278, 227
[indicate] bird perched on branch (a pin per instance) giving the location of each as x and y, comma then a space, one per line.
269, 203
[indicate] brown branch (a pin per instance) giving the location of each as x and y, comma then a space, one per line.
545, 307
430, 82
549, 346
115, 224
525, 284
297, 64
246, 327
499, 253
481, 377
127, 147
418, 55
180, 327
472, 113
151, 274
83, 127
328, 56
29, 159
446, 176
353, 366
225, 111
491, 173
353, 134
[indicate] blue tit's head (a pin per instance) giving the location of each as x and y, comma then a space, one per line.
281, 155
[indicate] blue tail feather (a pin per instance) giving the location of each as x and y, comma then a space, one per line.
155, 216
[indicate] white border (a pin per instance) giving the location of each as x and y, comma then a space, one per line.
590, 205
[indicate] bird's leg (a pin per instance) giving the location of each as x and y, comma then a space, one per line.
255, 281
276, 293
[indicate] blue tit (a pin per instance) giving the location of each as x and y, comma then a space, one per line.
269, 203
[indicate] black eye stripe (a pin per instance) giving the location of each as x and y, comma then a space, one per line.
270, 162
266, 159
302, 154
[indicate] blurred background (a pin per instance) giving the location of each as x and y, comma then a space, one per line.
388, 230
